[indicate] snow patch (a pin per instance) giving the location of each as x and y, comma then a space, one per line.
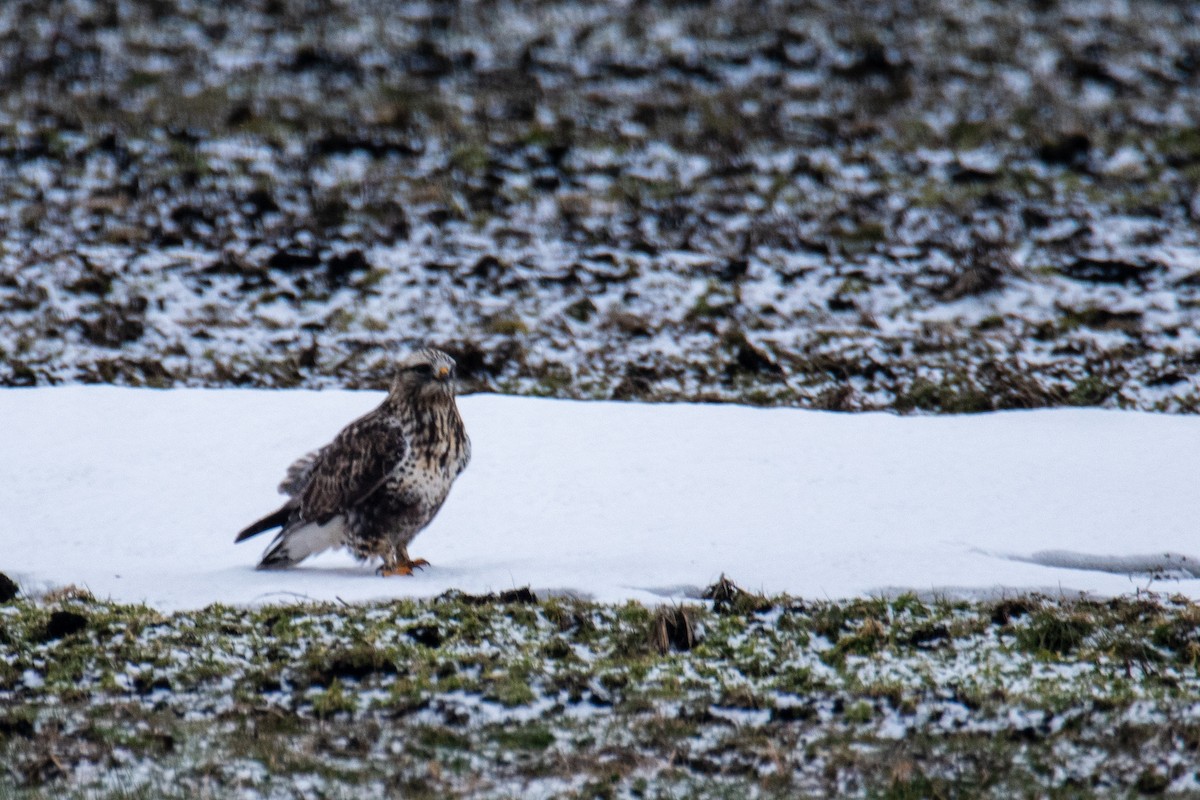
137, 495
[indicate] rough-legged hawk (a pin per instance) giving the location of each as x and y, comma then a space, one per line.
381, 480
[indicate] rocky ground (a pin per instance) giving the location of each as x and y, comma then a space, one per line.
945, 206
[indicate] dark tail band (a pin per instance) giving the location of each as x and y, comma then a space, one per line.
275, 519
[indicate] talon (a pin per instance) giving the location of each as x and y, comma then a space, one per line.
402, 568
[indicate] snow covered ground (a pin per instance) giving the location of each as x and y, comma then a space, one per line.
137, 494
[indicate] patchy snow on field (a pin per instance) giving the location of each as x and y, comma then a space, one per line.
137, 494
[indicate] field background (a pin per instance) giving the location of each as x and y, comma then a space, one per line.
908, 206
934, 206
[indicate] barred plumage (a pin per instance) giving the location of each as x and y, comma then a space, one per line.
381, 480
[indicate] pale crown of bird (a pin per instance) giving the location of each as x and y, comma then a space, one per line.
425, 372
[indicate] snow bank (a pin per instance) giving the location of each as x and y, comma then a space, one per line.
137, 495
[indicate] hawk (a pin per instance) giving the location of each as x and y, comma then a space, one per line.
381, 480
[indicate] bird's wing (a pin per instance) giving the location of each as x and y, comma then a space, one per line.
351, 467
299, 472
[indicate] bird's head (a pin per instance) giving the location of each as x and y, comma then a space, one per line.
426, 374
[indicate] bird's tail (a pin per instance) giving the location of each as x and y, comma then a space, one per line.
276, 519
293, 545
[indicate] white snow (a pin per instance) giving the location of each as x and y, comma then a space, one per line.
137, 495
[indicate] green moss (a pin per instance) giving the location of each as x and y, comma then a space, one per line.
952, 396
319, 688
796, 680
506, 325
442, 738
1182, 144
554, 381
967, 135
866, 639
470, 158
141, 80
859, 712
333, 700
1049, 631
910, 783
863, 237
1090, 391
510, 689
581, 310
714, 303
524, 737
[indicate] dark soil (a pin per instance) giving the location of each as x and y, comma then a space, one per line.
937, 206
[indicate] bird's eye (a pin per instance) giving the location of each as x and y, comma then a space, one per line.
423, 369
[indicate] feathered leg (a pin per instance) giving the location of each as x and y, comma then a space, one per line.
400, 563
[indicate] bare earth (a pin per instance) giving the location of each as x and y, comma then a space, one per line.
939, 206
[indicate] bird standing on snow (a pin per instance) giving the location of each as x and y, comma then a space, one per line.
381, 480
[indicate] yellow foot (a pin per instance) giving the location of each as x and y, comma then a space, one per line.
402, 569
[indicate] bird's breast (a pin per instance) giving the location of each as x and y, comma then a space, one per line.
422, 480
